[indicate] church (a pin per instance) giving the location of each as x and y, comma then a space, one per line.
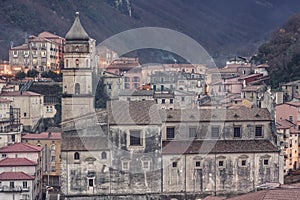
136, 150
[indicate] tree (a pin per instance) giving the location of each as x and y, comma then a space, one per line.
20, 75
32, 73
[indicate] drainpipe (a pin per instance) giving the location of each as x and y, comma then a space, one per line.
185, 177
215, 186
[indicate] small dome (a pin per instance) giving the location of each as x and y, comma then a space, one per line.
77, 32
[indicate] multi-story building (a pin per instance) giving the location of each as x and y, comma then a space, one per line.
51, 143
24, 162
135, 149
290, 90
289, 134
170, 81
224, 151
17, 185
43, 52
130, 70
113, 84
30, 104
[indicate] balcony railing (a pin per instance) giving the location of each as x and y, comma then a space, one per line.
13, 189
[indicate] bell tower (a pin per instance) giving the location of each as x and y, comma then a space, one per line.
79, 64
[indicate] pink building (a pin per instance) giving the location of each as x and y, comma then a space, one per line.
289, 111
130, 69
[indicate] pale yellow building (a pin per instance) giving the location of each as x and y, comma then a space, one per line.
30, 104
51, 143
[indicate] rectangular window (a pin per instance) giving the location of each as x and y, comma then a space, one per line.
13, 138
182, 98
243, 163
24, 184
136, 79
53, 158
258, 131
127, 86
91, 182
12, 184
135, 138
221, 163
291, 118
237, 131
170, 132
197, 163
171, 101
215, 132
163, 101
146, 165
127, 79
125, 165
174, 164
266, 162
192, 132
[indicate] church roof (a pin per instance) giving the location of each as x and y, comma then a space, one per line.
77, 31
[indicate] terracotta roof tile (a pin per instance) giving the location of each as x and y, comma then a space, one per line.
75, 143
284, 124
242, 114
133, 112
15, 176
43, 135
16, 162
22, 47
217, 146
274, 194
20, 147
136, 93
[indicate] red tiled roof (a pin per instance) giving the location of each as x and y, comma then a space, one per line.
16, 162
217, 146
15, 176
274, 194
43, 135
284, 124
18, 93
296, 104
46, 34
20, 147
252, 88
22, 47
2, 100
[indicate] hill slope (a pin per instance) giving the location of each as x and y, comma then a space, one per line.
282, 52
222, 27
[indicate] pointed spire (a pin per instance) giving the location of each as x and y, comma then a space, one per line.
77, 32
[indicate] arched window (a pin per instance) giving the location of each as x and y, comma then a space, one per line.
103, 155
77, 62
77, 88
67, 63
76, 156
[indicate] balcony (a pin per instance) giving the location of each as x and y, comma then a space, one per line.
13, 189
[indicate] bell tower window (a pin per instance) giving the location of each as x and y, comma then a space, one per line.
77, 62
77, 88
